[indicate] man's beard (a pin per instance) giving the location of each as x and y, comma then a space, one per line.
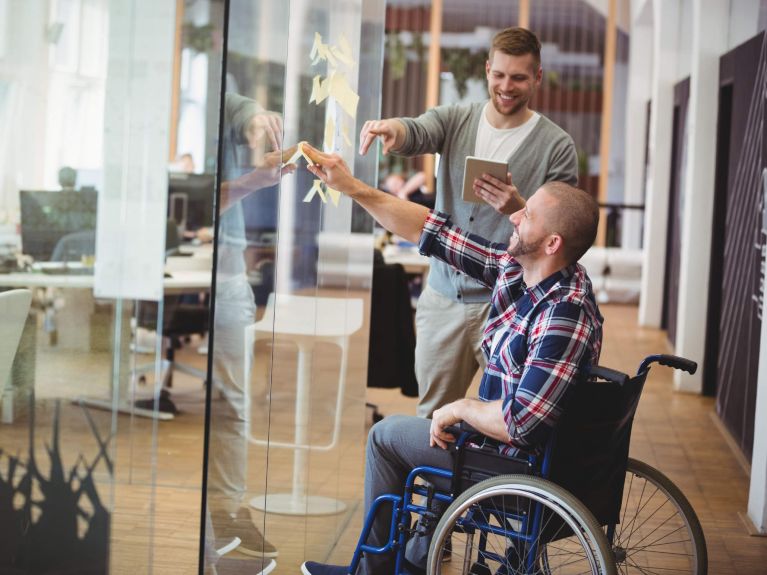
519, 105
522, 248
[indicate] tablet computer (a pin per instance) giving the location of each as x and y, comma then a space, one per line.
474, 168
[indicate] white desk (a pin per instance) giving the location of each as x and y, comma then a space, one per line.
179, 282
194, 276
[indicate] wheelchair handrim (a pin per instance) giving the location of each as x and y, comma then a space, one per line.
538, 495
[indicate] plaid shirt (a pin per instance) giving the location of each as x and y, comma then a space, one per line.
537, 340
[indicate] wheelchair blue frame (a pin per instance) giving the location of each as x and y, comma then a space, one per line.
403, 505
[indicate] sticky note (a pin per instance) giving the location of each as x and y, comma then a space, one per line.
344, 95
345, 135
330, 132
316, 189
335, 195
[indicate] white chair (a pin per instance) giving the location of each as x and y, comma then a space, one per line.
305, 321
14, 308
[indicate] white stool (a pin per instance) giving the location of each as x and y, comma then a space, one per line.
304, 321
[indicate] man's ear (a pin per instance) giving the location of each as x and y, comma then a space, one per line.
554, 244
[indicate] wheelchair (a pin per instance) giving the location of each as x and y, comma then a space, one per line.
583, 506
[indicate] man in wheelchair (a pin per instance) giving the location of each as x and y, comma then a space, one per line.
544, 330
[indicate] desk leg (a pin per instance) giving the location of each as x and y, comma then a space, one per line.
298, 502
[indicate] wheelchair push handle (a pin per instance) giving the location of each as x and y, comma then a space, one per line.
673, 361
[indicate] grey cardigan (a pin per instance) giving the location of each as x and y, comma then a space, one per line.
547, 154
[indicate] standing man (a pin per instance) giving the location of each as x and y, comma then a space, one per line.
453, 308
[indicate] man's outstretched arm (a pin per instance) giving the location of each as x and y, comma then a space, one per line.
400, 217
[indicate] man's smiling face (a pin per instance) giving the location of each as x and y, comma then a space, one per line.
512, 81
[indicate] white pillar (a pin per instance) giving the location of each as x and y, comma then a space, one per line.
757, 494
665, 49
639, 92
709, 42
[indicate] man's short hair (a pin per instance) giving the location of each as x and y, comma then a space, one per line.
575, 218
517, 41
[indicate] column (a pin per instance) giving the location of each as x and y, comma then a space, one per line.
665, 51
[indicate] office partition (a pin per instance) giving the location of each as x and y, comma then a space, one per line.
167, 407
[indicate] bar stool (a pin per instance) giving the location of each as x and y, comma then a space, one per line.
305, 320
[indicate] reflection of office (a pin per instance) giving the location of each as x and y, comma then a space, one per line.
190, 200
63, 222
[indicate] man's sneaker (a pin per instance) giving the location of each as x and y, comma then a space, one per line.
314, 568
241, 526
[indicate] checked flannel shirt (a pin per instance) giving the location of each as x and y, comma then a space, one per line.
537, 340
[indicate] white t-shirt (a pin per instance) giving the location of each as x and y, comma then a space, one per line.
495, 144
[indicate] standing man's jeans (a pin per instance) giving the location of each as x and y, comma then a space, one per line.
448, 348
228, 459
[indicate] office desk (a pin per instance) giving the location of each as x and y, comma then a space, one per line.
194, 277
180, 281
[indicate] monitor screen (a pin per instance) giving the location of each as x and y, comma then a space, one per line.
48, 217
190, 200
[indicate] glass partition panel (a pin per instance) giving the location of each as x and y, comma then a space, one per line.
100, 468
292, 284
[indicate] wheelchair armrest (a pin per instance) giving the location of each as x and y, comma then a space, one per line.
477, 454
464, 432
608, 374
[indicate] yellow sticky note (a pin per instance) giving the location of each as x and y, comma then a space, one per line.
335, 195
344, 95
316, 87
294, 158
345, 135
330, 133
316, 189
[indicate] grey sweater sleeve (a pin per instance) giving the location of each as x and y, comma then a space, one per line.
238, 112
564, 163
426, 134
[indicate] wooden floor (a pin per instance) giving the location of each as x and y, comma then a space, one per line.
157, 489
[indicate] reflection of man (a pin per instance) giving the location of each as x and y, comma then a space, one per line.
453, 308
544, 330
248, 132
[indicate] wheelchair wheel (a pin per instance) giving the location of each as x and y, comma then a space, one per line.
516, 524
658, 528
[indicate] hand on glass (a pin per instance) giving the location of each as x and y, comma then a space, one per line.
331, 169
261, 177
503, 196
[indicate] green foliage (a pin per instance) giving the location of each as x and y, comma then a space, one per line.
198, 38
396, 54
464, 65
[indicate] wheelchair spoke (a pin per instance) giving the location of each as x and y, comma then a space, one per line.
656, 533
653, 543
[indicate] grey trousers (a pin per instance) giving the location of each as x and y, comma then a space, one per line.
229, 421
395, 446
448, 348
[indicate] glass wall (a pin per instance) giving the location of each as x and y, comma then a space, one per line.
183, 315
289, 344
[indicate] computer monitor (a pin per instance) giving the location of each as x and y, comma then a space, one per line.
190, 200
47, 217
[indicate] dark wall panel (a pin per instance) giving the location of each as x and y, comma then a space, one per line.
738, 271
675, 203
